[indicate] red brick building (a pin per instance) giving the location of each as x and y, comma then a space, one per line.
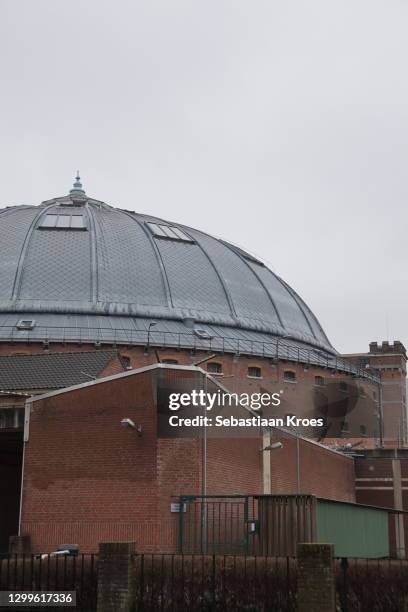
389, 361
111, 483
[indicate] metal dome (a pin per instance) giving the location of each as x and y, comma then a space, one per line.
81, 270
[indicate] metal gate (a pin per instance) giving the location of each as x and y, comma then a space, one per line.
245, 524
217, 524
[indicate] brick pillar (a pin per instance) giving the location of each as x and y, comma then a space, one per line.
116, 577
316, 579
19, 545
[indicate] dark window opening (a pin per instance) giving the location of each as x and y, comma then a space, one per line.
319, 381
126, 362
289, 376
214, 368
254, 372
170, 361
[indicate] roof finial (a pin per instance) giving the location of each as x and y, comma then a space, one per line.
77, 188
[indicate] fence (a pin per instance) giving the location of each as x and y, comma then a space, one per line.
372, 585
260, 584
214, 582
171, 582
52, 573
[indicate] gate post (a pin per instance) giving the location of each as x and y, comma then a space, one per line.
316, 578
116, 577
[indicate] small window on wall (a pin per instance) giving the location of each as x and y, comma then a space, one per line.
319, 381
11, 418
214, 368
254, 372
363, 430
126, 361
170, 361
289, 376
343, 386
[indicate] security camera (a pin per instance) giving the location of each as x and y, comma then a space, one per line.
128, 423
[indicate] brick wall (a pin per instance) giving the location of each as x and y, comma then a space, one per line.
87, 479
318, 471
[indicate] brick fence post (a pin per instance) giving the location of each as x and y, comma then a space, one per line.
316, 578
116, 577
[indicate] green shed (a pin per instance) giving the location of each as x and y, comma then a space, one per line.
355, 531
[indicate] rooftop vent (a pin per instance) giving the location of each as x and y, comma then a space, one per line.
168, 232
203, 334
26, 324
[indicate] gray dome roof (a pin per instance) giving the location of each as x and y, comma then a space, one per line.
77, 264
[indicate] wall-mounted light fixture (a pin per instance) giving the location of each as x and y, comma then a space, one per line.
129, 424
273, 446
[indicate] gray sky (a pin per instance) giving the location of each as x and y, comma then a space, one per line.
279, 125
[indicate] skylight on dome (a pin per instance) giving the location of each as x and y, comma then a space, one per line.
62, 222
169, 232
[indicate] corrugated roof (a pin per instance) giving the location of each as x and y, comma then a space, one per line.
51, 370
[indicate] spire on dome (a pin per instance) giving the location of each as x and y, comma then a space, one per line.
77, 187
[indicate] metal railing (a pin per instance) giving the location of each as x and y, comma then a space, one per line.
367, 585
274, 349
214, 582
47, 572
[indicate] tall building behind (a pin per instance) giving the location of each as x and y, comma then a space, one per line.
389, 361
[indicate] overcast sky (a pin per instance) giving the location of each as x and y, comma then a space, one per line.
278, 125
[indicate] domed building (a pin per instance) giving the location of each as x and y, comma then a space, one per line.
88, 291
77, 270
80, 275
